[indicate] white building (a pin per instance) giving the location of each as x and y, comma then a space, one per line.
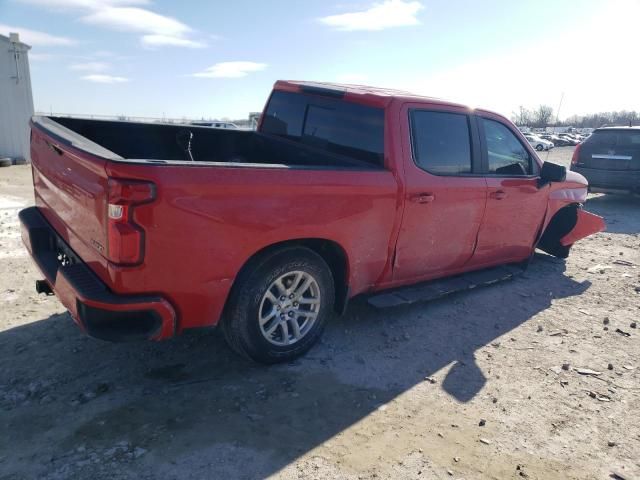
16, 99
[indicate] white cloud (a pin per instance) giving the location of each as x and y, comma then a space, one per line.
126, 15
134, 19
388, 14
169, 41
36, 38
159, 30
100, 78
90, 66
231, 70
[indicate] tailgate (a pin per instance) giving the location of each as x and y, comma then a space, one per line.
611, 150
70, 184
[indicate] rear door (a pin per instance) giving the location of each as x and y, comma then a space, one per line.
611, 149
445, 193
515, 204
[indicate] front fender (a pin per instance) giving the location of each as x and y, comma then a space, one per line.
586, 224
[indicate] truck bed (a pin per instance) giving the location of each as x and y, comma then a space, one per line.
207, 216
127, 141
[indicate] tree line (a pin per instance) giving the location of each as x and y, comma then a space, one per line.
543, 116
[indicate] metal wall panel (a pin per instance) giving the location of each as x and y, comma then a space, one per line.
16, 100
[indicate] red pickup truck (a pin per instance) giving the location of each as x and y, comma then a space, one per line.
144, 230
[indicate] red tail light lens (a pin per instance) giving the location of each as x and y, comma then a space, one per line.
125, 238
576, 154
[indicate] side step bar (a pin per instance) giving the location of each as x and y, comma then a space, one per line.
435, 289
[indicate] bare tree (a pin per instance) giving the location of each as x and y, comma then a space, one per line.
522, 117
595, 120
542, 116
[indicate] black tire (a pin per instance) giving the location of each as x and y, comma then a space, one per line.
240, 324
19, 161
5, 162
539, 147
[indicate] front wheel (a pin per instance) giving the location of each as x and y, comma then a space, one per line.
539, 147
279, 305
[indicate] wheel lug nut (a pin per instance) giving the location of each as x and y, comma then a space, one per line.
283, 298
295, 304
278, 307
282, 316
291, 296
291, 314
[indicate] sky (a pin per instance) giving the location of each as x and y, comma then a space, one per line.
219, 59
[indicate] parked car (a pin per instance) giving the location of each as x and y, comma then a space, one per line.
538, 143
147, 230
569, 138
556, 140
610, 160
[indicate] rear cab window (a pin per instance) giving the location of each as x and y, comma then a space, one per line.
330, 124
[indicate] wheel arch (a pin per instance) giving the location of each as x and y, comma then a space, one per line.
560, 224
330, 251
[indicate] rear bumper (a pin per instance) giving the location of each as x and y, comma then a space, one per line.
98, 311
610, 180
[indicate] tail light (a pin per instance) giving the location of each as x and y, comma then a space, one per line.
125, 238
576, 154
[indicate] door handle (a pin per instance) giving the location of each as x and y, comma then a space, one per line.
423, 198
498, 195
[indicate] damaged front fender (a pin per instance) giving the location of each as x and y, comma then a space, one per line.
568, 225
586, 224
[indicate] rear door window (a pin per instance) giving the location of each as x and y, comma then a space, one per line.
441, 142
506, 155
333, 125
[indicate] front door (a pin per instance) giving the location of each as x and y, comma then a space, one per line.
445, 192
515, 205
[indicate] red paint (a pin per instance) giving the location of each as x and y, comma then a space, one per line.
395, 226
587, 224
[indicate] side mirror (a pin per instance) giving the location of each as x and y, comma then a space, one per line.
552, 172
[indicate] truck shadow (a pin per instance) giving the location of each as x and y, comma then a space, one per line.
192, 404
620, 212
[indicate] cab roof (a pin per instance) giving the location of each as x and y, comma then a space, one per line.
377, 96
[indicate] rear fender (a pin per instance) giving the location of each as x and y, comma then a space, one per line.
586, 224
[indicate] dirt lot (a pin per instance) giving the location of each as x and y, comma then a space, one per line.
471, 386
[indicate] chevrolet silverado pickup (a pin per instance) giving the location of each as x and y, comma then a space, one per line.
145, 230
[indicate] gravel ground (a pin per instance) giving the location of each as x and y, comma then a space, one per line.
484, 384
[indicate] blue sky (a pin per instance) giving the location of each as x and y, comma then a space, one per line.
219, 59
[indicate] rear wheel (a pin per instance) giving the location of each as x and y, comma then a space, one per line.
279, 305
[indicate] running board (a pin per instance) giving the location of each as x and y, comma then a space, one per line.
424, 292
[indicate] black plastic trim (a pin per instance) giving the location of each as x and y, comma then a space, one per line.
323, 91
47, 245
